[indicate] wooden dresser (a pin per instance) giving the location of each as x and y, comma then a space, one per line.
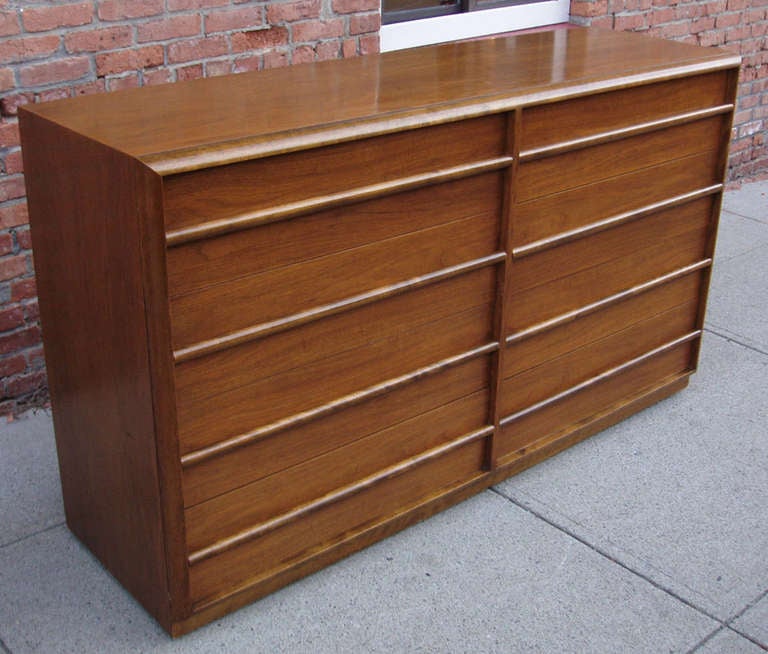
289, 313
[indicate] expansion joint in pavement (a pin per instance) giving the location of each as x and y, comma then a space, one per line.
608, 556
4, 648
728, 337
34, 533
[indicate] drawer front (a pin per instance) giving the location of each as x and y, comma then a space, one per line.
585, 166
526, 388
290, 544
605, 112
265, 184
555, 214
238, 366
557, 419
291, 392
261, 298
531, 352
612, 261
272, 496
325, 435
205, 263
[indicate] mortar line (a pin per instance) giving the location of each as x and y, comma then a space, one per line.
34, 533
608, 556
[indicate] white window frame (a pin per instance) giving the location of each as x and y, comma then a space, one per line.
414, 33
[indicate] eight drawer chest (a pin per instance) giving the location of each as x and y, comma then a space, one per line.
289, 313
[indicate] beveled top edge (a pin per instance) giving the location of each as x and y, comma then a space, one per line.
186, 126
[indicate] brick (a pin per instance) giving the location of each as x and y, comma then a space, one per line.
369, 44
31, 312
13, 215
247, 64
27, 48
122, 9
316, 30
9, 134
735, 5
129, 81
349, 48
189, 72
303, 54
10, 104
702, 24
23, 289
727, 20
185, 5
9, 23
43, 19
711, 38
6, 243
96, 86
212, 46
36, 358
588, 9
12, 187
56, 70
12, 365
365, 23
7, 80
218, 68
120, 61
629, 22
97, 40
286, 12
157, 76
276, 59
172, 27
11, 318
259, 39
24, 239
24, 384
353, 6
227, 20
674, 30
12, 267
53, 94
328, 50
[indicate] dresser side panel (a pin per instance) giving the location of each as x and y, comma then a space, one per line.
86, 203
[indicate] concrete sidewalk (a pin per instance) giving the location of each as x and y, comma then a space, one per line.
649, 537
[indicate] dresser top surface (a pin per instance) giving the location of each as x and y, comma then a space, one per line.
196, 124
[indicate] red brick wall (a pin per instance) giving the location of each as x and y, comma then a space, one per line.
738, 25
57, 49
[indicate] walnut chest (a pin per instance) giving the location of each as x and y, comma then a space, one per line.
289, 313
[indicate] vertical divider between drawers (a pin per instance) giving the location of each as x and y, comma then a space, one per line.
503, 272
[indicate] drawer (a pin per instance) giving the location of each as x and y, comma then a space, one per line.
272, 496
261, 298
231, 191
557, 419
201, 264
555, 214
577, 118
206, 420
238, 366
287, 545
524, 389
322, 436
532, 351
589, 165
573, 283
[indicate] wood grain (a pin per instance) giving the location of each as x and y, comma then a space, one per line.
205, 263
682, 243
552, 123
584, 166
260, 298
228, 191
